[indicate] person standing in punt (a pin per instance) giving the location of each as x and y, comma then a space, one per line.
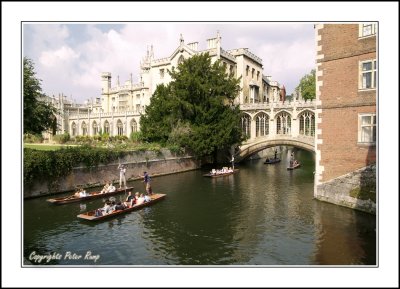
146, 180
292, 159
122, 178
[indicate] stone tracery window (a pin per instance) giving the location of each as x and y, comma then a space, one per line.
262, 124
120, 127
73, 129
246, 125
181, 59
283, 123
84, 128
133, 126
95, 128
106, 127
307, 123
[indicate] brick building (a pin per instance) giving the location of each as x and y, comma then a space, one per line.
346, 111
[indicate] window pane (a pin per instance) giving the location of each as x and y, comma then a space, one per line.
366, 134
367, 66
365, 120
367, 80
367, 29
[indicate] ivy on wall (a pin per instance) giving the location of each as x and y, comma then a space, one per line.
50, 165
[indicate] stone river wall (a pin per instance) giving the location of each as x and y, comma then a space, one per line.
156, 164
355, 190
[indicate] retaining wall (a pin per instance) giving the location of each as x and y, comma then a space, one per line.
136, 163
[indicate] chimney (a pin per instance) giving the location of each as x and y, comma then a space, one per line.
211, 43
193, 45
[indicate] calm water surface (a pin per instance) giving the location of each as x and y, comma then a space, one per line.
262, 215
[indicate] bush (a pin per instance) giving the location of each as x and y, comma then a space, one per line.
50, 165
33, 138
135, 136
61, 138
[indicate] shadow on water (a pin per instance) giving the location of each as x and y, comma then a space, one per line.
368, 191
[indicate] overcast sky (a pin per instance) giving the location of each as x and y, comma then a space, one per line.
70, 57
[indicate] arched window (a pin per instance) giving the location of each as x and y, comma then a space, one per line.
181, 59
133, 125
73, 129
120, 127
106, 127
84, 128
283, 123
95, 128
307, 123
262, 124
245, 124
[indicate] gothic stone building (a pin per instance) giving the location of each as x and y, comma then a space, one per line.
118, 110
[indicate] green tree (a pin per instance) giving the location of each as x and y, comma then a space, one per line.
196, 110
307, 85
38, 115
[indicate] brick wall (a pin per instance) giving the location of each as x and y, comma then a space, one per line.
340, 152
340, 101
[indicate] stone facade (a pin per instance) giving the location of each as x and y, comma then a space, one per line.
346, 101
119, 108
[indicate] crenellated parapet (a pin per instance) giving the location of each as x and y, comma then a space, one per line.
245, 51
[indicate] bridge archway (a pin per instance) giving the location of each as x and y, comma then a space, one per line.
247, 150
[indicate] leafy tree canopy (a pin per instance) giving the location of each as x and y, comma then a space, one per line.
196, 109
38, 115
307, 85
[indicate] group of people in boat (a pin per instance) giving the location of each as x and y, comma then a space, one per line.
81, 193
108, 188
224, 170
130, 201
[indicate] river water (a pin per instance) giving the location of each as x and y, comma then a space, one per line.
262, 215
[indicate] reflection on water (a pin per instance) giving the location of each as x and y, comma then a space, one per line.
262, 215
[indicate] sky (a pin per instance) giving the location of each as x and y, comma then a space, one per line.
69, 57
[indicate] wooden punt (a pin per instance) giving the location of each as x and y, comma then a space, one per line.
294, 167
93, 195
90, 216
272, 161
209, 175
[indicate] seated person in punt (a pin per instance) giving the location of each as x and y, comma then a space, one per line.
81, 193
111, 188
130, 200
119, 207
140, 200
105, 210
147, 198
105, 188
